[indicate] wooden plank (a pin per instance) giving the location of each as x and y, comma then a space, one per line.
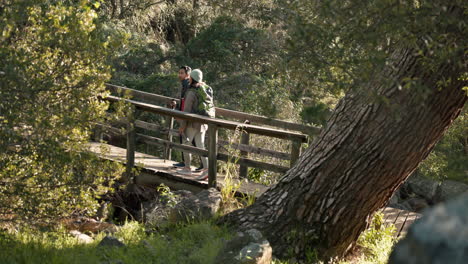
212, 154
202, 152
113, 130
158, 141
400, 222
390, 215
140, 95
152, 127
154, 171
241, 147
256, 150
412, 217
295, 152
153, 178
213, 121
252, 163
240, 116
222, 143
243, 169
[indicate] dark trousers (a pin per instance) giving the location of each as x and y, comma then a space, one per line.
193, 144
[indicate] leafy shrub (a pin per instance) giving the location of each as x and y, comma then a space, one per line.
53, 58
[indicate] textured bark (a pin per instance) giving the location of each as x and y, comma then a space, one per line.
353, 167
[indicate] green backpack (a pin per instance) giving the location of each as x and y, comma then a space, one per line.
204, 95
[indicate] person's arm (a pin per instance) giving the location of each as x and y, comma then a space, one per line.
185, 86
188, 104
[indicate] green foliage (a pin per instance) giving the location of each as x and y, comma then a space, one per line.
316, 114
195, 243
377, 241
449, 159
338, 45
167, 195
53, 57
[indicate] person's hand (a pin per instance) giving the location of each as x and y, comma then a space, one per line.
172, 104
181, 130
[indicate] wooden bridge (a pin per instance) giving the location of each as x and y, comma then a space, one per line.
142, 102
156, 170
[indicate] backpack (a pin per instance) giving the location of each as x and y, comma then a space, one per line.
204, 95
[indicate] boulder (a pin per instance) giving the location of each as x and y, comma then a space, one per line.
415, 204
157, 211
440, 236
85, 225
422, 186
201, 206
395, 199
110, 241
82, 238
450, 189
249, 247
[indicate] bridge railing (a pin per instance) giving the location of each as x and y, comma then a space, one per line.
146, 102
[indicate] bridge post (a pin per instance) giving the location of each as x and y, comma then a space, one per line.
295, 151
131, 139
170, 120
98, 133
245, 138
212, 154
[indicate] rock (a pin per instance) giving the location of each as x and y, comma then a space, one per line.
395, 199
82, 238
440, 236
110, 241
84, 225
157, 211
422, 186
415, 204
450, 189
402, 206
248, 247
201, 206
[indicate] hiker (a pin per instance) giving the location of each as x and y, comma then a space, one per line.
184, 78
198, 100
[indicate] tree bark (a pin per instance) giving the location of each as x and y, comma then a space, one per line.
370, 146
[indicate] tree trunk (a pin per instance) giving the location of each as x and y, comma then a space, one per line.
369, 147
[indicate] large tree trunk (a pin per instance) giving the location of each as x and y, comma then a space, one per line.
370, 146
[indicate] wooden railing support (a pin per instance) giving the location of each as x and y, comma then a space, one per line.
97, 133
295, 151
212, 154
131, 141
168, 150
245, 138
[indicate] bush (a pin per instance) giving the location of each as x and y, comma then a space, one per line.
52, 56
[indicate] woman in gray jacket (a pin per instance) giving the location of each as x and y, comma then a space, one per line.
193, 130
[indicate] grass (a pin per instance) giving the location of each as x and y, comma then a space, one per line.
375, 243
194, 243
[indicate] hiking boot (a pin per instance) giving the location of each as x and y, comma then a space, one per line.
203, 176
185, 171
179, 165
